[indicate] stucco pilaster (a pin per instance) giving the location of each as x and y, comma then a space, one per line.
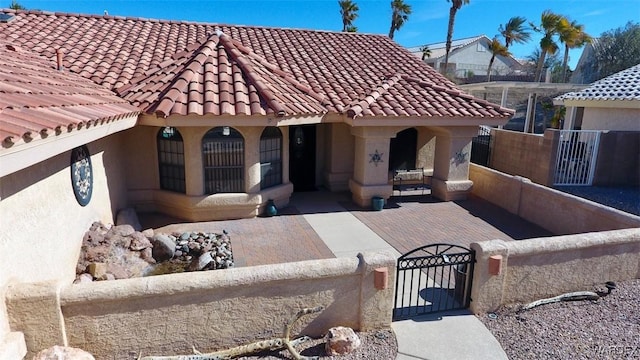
192, 141
371, 163
252, 158
451, 163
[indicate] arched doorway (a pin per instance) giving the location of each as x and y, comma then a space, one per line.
402, 150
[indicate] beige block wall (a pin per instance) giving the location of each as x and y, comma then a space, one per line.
553, 210
212, 310
528, 155
533, 269
616, 119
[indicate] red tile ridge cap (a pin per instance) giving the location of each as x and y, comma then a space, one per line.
182, 79
251, 74
358, 107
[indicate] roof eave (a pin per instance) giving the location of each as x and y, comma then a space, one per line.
22, 155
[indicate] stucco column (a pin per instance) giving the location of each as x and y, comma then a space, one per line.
371, 163
251, 158
194, 177
451, 166
339, 150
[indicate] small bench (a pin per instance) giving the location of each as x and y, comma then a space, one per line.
409, 177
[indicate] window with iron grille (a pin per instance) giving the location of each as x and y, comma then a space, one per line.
223, 160
270, 157
171, 160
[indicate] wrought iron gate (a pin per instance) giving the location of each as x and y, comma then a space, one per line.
481, 146
433, 278
576, 158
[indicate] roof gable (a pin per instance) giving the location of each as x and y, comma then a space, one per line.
221, 77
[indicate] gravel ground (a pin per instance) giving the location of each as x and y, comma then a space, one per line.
608, 328
376, 345
622, 198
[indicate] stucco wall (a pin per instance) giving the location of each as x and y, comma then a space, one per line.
528, 155
618, 159
539, 268
211, 310
42, 224
595, 118
553, 210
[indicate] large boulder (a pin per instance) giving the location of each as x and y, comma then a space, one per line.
341, 340
163, 247
128, 216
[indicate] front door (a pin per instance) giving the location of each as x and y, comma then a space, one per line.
302, 157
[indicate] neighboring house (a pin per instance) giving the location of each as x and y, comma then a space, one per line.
205, 122
612, 103
468, 57
586, 70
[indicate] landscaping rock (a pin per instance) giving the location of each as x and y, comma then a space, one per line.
97, 270
63, 353
163, 247
128, 216
139, 242
341, 340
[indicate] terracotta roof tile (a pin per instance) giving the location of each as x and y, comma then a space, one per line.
39, 99
282, 70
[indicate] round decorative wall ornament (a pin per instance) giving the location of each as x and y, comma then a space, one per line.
81, 174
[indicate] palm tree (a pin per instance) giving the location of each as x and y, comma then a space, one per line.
400, 14
549, 24
349, 12
572, 35
16, 6
497, 49
455, 6
514, 31
426, 52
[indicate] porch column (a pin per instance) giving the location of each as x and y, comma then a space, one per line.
451, 167
371, 164
252, 158
194, 178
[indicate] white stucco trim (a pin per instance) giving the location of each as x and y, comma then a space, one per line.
22, 156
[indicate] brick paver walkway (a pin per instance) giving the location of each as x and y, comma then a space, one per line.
410, 222
405, 223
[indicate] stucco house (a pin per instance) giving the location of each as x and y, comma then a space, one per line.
204, 122
612, 103
467, 57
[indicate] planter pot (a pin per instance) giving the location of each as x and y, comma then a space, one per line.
270, 209
377, 203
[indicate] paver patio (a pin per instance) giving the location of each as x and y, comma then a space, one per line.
405, 223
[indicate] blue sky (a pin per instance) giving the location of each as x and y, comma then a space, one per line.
427, 23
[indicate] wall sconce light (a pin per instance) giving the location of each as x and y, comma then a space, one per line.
226, 131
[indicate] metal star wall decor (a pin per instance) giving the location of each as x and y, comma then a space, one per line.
460, 157
375, 158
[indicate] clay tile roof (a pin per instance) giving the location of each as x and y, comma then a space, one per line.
624, 85
221, 77
173, 67
402, 95
37, 100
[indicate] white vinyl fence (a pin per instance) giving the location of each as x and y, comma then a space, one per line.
576, 159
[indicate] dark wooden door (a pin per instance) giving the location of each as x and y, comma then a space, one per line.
302, 157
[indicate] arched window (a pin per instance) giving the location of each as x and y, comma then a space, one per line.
223, 160
270, 157
171, 160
